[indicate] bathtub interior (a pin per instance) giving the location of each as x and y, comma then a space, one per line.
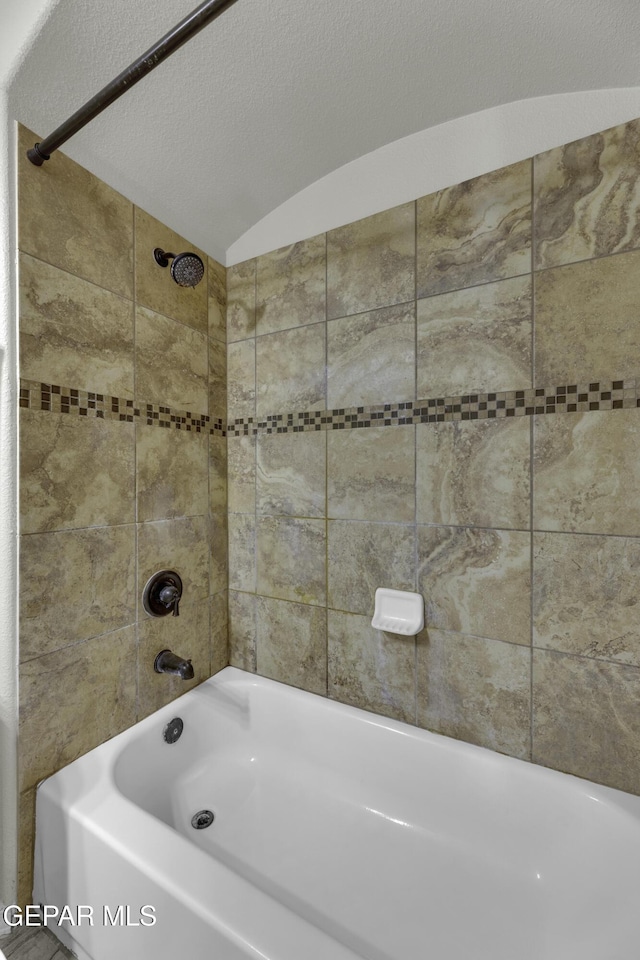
377, 832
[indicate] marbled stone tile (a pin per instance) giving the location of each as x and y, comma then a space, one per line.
291, 559
73, 332
219, 631
179, 545
371, 263
242, 552
88, 229
290, 286
587, 197
290, 371
476, 231
33, 943
476, 340
371, 357
219, 551
26, 838
365, 556
73, 699
217, 380
217, 277
371, 474
242, 630
217, 472
241, 379
74, 472
241, 301
90, 576
291, 474
172, 473
586, 473
586, 719
474, 473
171, 363
291, 643
586, 594
241, 452
587, 321
188, 637
155, 287
476, 582
475, 690
370, 669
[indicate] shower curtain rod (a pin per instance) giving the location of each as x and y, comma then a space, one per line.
187, 28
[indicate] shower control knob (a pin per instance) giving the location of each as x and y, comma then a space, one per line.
162, 594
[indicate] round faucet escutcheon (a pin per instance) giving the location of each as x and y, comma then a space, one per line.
162, 593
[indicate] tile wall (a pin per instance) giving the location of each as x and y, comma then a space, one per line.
444, 397
122, 470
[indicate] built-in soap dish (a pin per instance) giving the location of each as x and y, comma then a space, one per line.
398, 611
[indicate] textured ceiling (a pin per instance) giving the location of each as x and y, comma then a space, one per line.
277, 93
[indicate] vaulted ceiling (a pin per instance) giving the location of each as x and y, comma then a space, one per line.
278, 93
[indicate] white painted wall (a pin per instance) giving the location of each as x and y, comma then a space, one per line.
435, 158
21, 20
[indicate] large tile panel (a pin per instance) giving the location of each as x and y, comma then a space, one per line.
291, 474
171, 363
241, 301
291, 559
242, 630
171, 473
290, 286
291, 643
365, 556
290, 371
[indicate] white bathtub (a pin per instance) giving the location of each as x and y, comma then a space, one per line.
337, 835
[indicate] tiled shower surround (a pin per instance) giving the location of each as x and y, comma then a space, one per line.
122, 471
444, 397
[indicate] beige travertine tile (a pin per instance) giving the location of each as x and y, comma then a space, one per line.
587, 321
476, 582
586, 595
474, 473
188, 637
74, 472
217, 472
476, 340
291, 474
290, 286
73, 699
155, 287
74, 333
587, 197
371, 263
365, 556
219, 555
585, 718
476, 231
587, 473
371, 474
242, 552
75, 585
290, 371
241, 379
242, 630
179, 545
219, 627
291, 559
217, 277
370, 669
172, 473
475, 690
217, 380
26, 837
371, 357
171, 363
291, 643
241, 301
88, 227
241, 452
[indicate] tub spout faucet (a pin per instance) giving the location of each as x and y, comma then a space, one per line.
168, 662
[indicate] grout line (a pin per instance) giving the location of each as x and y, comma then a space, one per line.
531, 453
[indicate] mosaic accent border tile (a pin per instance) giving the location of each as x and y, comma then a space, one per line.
84, 403
570, 398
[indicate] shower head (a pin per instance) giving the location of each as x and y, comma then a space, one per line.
187, 269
